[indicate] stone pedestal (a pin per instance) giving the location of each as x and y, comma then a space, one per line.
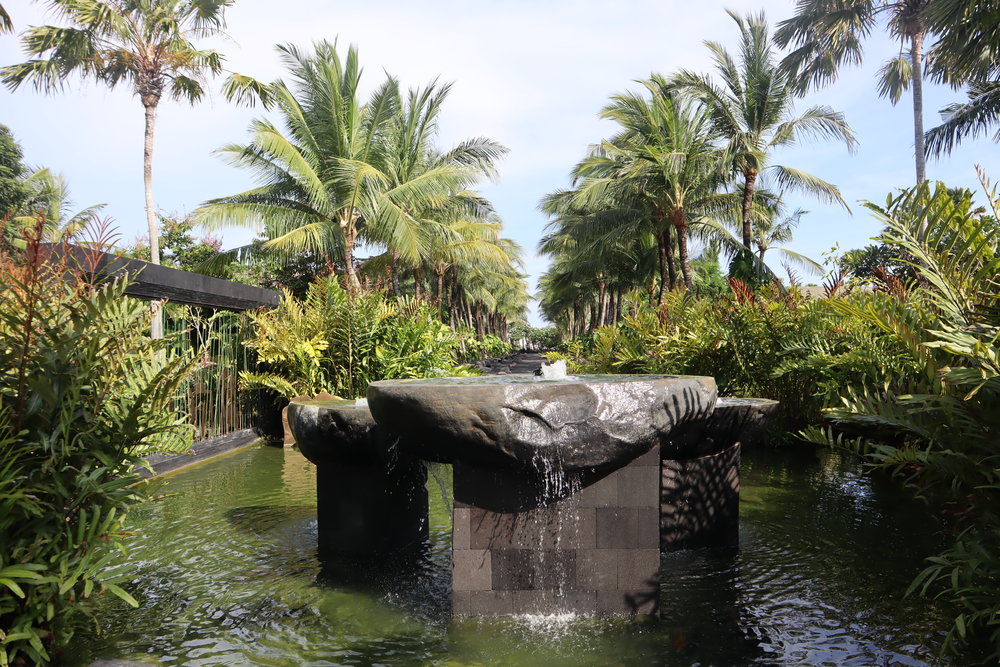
591, 547
370, 510
700, 501
371, 498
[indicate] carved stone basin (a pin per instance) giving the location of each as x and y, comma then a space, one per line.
573, 423
336, 431
743, 420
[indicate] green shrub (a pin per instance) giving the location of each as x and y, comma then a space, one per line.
339, 342
83, 393
474, 348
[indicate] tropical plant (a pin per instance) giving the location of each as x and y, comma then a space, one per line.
827, 34
12, 170
84, 392
936, 426
145, 44
6, 25
753, 111
48, 197
346, 172
340, 341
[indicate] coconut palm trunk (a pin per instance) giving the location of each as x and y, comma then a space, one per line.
156, 307
679, 221
749, 186
916, 62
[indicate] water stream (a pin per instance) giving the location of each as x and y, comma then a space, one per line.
226, 570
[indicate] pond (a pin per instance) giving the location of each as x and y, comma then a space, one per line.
225, 567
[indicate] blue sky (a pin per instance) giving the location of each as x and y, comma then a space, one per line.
532, 75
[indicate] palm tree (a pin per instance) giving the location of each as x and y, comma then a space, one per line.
826, 34
6, 25
342, 172
967, 52
48, 194
753, 111
424, 189
667, 148
145, 44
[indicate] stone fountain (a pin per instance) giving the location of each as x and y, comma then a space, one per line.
565, 489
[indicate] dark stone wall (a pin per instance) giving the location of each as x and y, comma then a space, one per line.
593, 552
700, 501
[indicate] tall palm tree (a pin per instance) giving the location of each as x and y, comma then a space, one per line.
753, 111
666, 147
340, 173
6, 25
144, 44
967, 52
411, 163
827, 34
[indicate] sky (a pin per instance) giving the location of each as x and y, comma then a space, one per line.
531, 75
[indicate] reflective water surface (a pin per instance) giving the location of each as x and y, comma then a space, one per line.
226, 570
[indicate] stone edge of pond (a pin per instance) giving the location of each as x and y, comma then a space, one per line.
201, 451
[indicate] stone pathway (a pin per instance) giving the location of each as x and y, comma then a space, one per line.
517, 363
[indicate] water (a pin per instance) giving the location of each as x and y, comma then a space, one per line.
226, 571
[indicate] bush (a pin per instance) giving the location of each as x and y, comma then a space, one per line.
339, 342
83, 393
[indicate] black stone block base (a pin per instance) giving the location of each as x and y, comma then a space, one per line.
371, 510
700, 501
593, 552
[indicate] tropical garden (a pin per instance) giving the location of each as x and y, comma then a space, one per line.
392, 263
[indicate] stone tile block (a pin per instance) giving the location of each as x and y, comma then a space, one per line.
597, 569
602, 493
650, 458
639, 569
460, 527
513, 569
639, 486
648, 527
482, 603
550, 601
617, 527
533, 569
471, 570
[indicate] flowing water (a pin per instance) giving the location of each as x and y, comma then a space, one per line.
225, 568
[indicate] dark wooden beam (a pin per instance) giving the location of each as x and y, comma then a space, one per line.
152, 281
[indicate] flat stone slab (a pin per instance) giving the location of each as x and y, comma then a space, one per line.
337, 431
578, 422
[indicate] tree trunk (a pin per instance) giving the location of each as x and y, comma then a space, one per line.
916, 62
418, 281
750, 181
680, 223
156, 306
350, 236
671, 267
440, 292
394, 269
601, 293
661, 245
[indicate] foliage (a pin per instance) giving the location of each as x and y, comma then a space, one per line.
83, 394
180, 249
538, 337
474, 348
935, 422
12, 190
144, 45
339, 342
